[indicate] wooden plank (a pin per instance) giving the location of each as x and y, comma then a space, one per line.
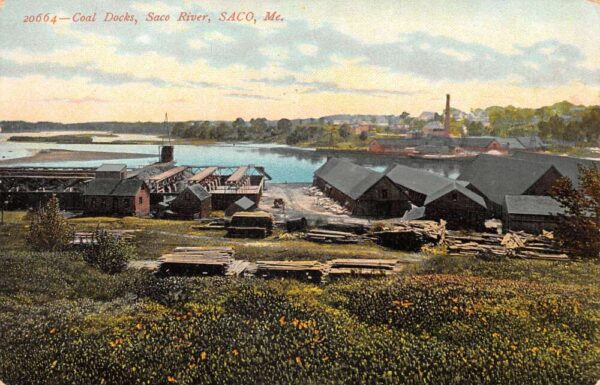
169, 173
237, 175
201, 175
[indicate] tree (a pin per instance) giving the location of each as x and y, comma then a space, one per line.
48, 229
109, 254
344, 131
363, 136
239, 127
284, 126
579, 226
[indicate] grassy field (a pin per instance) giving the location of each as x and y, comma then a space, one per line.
442, 321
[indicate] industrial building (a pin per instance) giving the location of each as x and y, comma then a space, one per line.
366, 193
530, 213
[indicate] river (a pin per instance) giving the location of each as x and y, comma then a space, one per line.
283, 163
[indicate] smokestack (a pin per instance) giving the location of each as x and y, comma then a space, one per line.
447, 115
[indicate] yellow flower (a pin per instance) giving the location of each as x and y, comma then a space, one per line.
171, 379
235, 352
298, 360
203, 356
282, 320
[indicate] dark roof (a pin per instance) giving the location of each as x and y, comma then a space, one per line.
566, 165
244, 203
108, 167
510, 143
113, 187
531, 142
458, 187
474, 141
349, 178
199, 191
532, 205
497, 176
418, 180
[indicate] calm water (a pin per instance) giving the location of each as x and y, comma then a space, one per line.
283, 163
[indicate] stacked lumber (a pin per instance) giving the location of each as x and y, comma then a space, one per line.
412, 235
304, 270
197, 260
362, 267
84, 238
512, 244
330, 236
237, 268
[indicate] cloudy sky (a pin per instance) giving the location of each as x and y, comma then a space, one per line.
325, 57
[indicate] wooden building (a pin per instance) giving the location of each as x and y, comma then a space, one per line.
364, 192
193, 202
242, 204
111, 171
494, 177
531, 214
416, 183
116, 197
460, 207
568, 166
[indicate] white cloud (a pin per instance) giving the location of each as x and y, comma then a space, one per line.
217, 36
460, 55
308, 49
197, 43
275, 53
144, 39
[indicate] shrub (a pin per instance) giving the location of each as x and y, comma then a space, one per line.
48, 229
110, 254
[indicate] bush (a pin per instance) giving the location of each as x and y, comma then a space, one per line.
48, 229
110, 254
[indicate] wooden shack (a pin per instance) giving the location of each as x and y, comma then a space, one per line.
242, 204
116, 197
530, 213
460, 207
364, 192
193, 202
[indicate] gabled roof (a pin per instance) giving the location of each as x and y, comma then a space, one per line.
199, 191
510, 143
349, 178
474, 141
421, 181
532, 205
531, 142
244, 203
109, 167
566, 165
414, 214
113, 187
458, 187
497, 176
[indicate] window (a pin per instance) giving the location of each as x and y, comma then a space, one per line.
384, 194
126, 202
454, 196
141, 200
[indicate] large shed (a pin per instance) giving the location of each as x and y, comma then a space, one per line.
116, 197
460, 207
242, 204
193, 202
417, 183
494, 177
531, 214
365, 192
568, 166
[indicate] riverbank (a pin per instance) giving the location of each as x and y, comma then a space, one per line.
56, 155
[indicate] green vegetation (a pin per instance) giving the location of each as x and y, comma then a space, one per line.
48, 229
109, 254
64, 322
445, 320
63, 139
579, 227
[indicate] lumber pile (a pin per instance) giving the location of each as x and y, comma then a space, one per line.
512, 244
87, 238
326, 203
257, 224
339, 268
411, 235
237, 268
303, 270
330, 236
197, 261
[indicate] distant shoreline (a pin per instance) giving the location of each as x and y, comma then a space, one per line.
56, 155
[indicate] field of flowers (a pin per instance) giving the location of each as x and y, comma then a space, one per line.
63, 322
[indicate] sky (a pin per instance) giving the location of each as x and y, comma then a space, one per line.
323, 57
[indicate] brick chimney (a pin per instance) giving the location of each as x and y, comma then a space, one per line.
447, 115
